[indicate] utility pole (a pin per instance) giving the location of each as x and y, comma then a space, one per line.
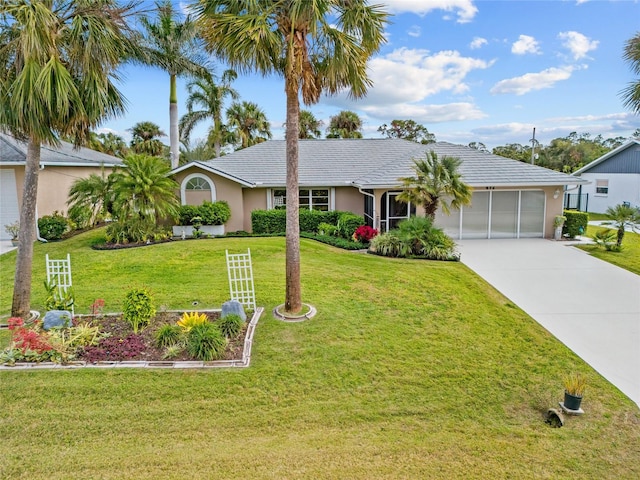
533, 146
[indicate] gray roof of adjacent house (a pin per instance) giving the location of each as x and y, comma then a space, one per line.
14, 152
624, 159
371, 163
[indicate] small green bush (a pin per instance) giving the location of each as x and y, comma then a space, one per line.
576, 223
327, 229
230, 325
268, 221
387, 244
348, 223
186, 213
168, 335
209, 213
138, 308
53, 226
206, 342
335, 241
311, 219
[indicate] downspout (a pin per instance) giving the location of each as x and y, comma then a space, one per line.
38, 237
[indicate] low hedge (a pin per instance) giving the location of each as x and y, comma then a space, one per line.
576, 223
275, 221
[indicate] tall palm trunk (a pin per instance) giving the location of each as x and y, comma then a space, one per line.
293, 294
27, 236
173, 123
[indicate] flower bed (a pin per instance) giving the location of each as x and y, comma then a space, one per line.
110, 341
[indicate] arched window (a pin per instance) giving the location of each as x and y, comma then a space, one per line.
196, 188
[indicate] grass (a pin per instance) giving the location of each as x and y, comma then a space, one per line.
598, 216
411, 369
628, 258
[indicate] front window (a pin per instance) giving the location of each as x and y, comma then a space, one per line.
312, 199
602, 187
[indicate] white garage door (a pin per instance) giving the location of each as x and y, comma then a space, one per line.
498, 214
9, 212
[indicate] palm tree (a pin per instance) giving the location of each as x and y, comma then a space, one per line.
58, 62
143, 191
172, 46
209, 96
248, 124
309, 125
316, 47
144, 139
345, 124
623, 217
93, 193
112, 144
631, 94
437, 183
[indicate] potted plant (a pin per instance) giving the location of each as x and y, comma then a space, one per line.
13, 229
574, 387
558, 223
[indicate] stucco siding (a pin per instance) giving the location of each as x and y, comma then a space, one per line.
623, 187
349, 199
254, 199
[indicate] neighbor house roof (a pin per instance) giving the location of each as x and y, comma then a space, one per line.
372, 163
14, 152
616, 151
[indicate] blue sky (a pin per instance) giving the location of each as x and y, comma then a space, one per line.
470, 71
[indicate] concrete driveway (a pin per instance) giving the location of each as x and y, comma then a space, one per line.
591, 306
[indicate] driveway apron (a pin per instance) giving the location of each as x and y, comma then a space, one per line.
591, 306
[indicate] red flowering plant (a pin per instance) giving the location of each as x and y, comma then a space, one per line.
364, 234
26, 343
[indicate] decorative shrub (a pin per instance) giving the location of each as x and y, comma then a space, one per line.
206, 342
606, 238
327, 229
230, 325
191, 319
387, 244
168, 335
364, 233
275, 221
56, 300
209, 213
348, 223
138, 308
79, 217
133, 231
576, 223
310, 220
53, 226
269, 221
339, 242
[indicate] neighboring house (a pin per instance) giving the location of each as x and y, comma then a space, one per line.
511, 199
614, 177
59, 168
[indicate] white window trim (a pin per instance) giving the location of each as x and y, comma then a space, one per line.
183, 186
600, 194
332, 196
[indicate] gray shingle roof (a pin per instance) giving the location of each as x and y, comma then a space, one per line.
14, 151
375, 163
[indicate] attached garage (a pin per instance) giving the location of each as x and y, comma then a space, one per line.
498, 214
9, 209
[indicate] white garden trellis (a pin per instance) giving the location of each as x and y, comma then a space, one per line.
59, 274
241, 278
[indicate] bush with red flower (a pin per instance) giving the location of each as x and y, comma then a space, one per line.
364, 234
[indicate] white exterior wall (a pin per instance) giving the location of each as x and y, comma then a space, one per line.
623, 187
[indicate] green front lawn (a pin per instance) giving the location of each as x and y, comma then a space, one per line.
411, 369
628, 258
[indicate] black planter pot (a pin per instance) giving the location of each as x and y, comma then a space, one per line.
572, 402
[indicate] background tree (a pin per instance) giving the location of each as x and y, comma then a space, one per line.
437, 183
636, 134
623, 217
200, 151
316, 47
481, 147
145, 139
112, 144
209, 96
248, 123
408, 130
172, 46
309, 125
58, 62
346, 124
631, 94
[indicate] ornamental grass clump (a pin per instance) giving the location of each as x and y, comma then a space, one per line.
575, 384
206, 342
230, 325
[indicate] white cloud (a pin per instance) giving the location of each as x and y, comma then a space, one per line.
411, 75
578, 44
478, 42
414, 31
422, 113
532, 81
464, 9
525, 44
